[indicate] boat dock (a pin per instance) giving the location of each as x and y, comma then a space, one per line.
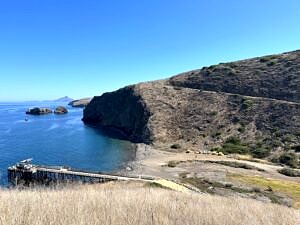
26, 173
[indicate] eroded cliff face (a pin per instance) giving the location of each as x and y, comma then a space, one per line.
123, 110
256, 100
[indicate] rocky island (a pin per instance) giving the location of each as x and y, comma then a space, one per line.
38, 111
43, 110
60, 110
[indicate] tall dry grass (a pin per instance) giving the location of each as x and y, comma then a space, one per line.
133, 204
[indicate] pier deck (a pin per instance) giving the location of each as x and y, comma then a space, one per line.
44, 174
26, 173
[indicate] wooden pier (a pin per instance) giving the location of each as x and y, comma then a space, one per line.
26, 173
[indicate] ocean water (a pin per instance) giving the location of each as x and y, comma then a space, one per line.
56, 140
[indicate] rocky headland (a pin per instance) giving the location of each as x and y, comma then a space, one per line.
251, 106
80, 103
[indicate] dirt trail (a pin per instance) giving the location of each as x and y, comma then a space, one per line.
172, 185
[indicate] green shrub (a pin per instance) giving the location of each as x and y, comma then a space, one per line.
267, 58
256, 189
289, 172
287, 158
276, 143
260, 152
214, 149
154, 185
247, 104
272, 63
172, 163
229, 148
296, 148
287, 138
288, 64
183, 174
213, 113
175, 146
234, 145
241, 129
235, 164
203, 135
235, 120
217, 134
233, 140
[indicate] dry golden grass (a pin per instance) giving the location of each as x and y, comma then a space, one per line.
134, 204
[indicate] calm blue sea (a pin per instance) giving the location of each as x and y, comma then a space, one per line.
56, 140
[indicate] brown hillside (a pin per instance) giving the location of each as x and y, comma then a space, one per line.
257, 101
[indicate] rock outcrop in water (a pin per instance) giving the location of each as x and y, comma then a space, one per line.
60, 110
38, 111
256, 100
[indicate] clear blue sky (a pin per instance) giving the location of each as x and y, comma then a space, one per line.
53, 48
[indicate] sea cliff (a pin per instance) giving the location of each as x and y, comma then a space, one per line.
255, 100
